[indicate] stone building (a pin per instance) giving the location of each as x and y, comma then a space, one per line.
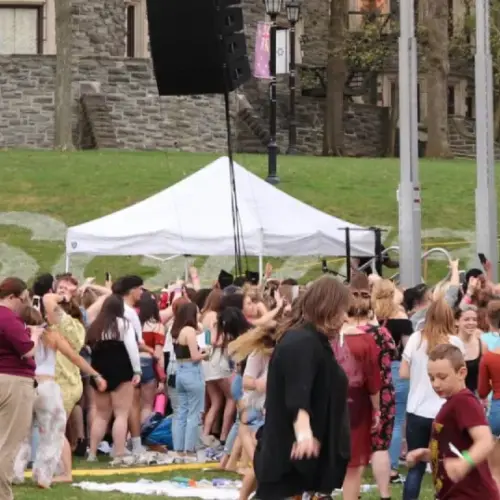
116, 100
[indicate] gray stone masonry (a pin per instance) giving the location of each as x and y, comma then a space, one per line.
141, 120
99, 27
365, 126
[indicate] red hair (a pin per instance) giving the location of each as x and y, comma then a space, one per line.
12, 286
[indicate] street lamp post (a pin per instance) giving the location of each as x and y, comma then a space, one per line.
273, 8
293, 13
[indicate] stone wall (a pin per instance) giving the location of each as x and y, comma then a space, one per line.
365, 126
99, 28
141, 120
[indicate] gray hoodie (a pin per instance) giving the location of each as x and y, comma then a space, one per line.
418, 317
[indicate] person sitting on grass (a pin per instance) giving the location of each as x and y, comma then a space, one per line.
461, 439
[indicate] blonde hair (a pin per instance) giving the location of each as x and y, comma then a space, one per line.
383, 304
256, 340
440, 290
439, 325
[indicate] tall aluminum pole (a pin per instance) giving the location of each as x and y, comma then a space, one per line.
410, 239
486, 198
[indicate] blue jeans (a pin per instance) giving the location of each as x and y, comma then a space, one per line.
402, 386
190, 388
494, 417
418, 435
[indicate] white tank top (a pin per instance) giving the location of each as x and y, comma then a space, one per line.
45, 359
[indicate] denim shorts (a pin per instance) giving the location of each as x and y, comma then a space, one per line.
148, 371
494, 417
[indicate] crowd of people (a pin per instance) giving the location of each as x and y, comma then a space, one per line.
297, 388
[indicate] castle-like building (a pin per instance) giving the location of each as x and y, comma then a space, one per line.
113, 77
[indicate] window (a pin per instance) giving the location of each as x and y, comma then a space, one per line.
131, 27
136, 29
21, 29
469, 107
359, 9
451, 100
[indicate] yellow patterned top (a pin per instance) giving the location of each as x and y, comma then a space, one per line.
434, 446
67, 374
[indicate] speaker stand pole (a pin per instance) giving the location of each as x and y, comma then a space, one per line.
272, 148
292, 126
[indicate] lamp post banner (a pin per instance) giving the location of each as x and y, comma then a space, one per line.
262, 51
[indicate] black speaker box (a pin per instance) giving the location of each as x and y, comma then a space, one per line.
197, 46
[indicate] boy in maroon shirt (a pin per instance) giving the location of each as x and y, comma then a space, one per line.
461, 439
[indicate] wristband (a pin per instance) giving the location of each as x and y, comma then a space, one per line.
466, 456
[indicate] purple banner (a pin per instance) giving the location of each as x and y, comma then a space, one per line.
262, 51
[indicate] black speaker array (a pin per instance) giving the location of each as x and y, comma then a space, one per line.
197, 46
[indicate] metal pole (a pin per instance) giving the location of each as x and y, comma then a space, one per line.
348, 253
272, 148
292, 126
486, 202
379, 262
409, 189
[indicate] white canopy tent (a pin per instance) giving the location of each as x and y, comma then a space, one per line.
193, 217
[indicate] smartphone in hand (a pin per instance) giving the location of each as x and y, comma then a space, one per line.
482, 258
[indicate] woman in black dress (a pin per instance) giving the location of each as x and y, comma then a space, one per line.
304, 445
115, 355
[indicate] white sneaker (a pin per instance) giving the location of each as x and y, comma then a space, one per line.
125, 461
91, 458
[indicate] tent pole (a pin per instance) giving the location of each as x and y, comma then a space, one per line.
186, 269
261, 268
66, 263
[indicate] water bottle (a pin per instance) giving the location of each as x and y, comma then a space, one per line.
160, 404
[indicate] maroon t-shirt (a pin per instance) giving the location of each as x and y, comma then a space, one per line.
451, 425
15, 342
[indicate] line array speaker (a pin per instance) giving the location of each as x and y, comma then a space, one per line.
197, 46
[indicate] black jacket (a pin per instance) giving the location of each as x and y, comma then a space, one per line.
303, 374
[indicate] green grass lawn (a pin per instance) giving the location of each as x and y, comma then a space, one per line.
76, 187
68, 492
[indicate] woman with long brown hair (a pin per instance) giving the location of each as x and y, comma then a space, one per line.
48, 407
364, 352
386, 302
423, 402
115, 354
216, 371
189, 381
63, 313
306, 400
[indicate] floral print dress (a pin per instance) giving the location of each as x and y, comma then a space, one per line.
381, 438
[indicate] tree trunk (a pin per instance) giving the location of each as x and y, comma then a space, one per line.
336, 73
438, 67
63, 101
